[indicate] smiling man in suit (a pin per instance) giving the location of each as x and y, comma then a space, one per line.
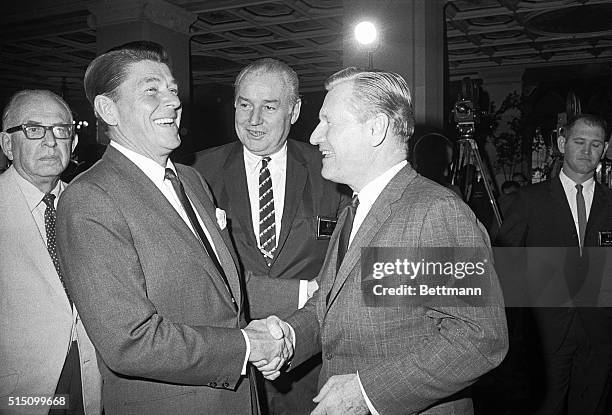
148, 258
570, 211
409, 357
281, 237
44, 349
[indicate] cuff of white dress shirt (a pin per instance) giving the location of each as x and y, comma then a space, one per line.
302, 293
248, 352
365, 397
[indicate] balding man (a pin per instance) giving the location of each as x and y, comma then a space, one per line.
44, 350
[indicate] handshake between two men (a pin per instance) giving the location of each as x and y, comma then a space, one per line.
271, 343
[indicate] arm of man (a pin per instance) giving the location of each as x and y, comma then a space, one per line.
106, 280
467, 341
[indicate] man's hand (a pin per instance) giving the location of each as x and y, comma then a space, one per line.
271, 345
341, 395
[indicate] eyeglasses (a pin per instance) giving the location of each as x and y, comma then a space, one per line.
36, 132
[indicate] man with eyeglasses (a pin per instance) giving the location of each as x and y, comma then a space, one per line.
45, 354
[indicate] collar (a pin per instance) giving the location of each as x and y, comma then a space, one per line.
32, 195
570, 185
252, 162
154, 171
370, 192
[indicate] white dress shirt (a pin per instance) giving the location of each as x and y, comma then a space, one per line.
156, 173
588, 190
278, 173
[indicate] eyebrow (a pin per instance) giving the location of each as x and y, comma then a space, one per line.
150, 79
41, 123
266, 101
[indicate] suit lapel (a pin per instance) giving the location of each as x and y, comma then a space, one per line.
207, 212
155, 197
294, 187
376, 217
18, 210
562, 209
600, 211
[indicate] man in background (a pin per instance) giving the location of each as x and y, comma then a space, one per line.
569, 211
280, 211
44, 350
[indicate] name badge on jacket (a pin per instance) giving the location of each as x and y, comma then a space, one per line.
605, 238
325, 227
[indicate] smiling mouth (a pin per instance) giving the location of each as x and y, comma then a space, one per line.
165, 122
326, 153
256, 134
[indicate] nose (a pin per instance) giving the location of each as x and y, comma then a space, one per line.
317, 135
255, 117
172, 100
49, 139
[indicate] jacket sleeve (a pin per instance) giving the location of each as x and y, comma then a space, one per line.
468, 341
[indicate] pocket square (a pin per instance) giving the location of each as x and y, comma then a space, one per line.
221, 218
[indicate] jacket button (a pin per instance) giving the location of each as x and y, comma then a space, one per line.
225, 385
213, 384
329, 356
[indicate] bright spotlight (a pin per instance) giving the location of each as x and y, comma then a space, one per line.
365, 33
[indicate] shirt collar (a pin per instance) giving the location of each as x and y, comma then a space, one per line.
32, 195
252, 161
151, 168
569, 184
370, 192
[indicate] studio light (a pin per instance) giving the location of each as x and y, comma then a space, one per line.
365, 33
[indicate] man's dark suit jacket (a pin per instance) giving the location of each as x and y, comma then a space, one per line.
541, 217
299, 255
151, 299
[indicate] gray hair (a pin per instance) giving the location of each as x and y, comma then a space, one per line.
379, 92
269, 65
8, 115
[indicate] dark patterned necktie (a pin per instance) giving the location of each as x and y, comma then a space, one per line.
582, 219
345, 232
50, 216
195, 223
345, 235
267, 220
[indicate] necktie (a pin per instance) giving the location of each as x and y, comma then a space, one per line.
345, 232
345, 235
195, 223
267, 220
582, 219
50, 216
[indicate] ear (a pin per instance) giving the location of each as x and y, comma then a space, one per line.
75, 141
295, 113
561, 144
603, 154
7, 145
377, 128
106, 109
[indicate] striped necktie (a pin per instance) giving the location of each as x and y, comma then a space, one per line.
267, 219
